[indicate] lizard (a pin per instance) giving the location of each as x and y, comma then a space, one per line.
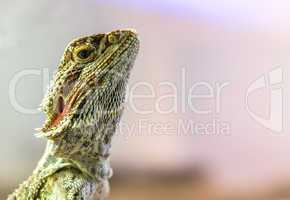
83, 107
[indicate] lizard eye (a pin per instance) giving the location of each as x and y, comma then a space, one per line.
84, 54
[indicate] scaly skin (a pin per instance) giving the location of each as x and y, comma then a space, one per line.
83, 107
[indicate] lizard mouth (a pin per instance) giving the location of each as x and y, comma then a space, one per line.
67, 107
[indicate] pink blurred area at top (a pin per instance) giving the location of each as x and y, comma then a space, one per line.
257, 13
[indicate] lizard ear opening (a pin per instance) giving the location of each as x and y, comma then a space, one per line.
60, 104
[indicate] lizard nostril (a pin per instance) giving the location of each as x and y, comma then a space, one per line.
112, 38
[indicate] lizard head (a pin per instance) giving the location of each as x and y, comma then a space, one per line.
90, 83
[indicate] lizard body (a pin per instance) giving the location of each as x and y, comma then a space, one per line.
83, 107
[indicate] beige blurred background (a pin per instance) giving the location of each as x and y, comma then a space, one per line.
186, 132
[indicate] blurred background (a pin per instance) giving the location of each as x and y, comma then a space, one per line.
207, 110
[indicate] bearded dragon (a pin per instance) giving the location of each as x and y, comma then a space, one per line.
83, 107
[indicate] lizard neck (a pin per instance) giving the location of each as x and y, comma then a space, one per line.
86, 148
